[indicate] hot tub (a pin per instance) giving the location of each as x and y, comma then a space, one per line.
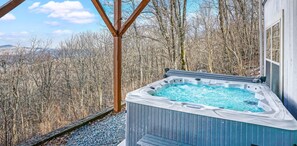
194, 122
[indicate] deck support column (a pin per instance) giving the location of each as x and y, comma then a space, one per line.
117, 31
117, 74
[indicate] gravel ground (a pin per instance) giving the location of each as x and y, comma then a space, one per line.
110, 131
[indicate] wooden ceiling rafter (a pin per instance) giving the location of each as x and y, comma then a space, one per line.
133, 16
10, 5
105, 18
127, 24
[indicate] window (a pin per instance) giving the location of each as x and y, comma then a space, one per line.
273, 43
268, 44
273, 61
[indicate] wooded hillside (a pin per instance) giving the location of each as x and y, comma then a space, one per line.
42, 89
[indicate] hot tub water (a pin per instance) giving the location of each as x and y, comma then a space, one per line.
231, 98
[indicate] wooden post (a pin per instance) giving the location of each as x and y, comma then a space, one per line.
118, 31
117, 75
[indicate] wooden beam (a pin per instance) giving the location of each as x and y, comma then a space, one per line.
133, 16
105, 18
117, 74
117, 31
10, 5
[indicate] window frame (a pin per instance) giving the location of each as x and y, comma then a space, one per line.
270, 28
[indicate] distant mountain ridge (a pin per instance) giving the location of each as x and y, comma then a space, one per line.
12, 51
6, 46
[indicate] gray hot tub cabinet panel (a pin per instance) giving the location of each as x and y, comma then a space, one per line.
200, 130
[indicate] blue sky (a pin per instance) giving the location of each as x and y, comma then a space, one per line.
54, 20
43, 19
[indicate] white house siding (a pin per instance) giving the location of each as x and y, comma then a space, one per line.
292, 60
272, 13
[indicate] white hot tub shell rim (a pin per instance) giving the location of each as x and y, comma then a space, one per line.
277, 117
